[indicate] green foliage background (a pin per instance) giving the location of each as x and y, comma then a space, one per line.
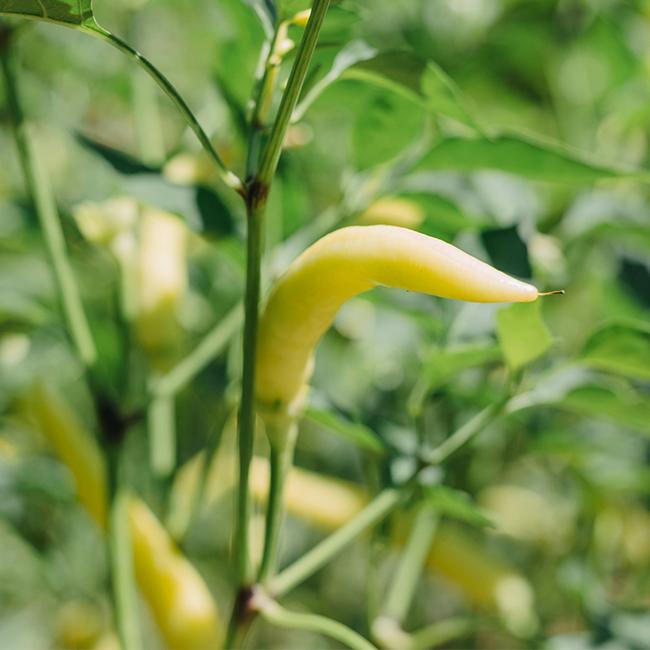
520, 130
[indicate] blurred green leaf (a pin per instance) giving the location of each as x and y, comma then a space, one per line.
352, 53
507, 251
620, 348
522, 333
423, 82
456, 504
441, 365
385, 126
520, 155
622, 407
442, 217
120, 161
74, 13
354, 432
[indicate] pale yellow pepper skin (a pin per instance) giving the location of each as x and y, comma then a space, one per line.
179, 599
343, 264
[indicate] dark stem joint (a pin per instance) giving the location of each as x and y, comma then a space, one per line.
256, 195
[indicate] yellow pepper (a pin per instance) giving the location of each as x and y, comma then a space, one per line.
162, 278
177, 595
343, 264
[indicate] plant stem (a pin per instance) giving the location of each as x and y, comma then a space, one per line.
256, 199
441, 632
162, 435
282, 442
186, 369
320, 555
119, 544
229, 178
39, 190
412, 560
278, 615
290, 97
125, 597
464, 434
246, 420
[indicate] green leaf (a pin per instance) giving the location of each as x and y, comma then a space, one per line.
522, 333
456, 505
74, 13
355, 433
385, 126
520, 155
623, 407
620, 348
351, 54
422, 82
442, 217
441, 365
507, 250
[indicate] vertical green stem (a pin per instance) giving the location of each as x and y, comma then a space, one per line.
257, 196
125, 597
40, 192
246, 421
409, 570
282, 438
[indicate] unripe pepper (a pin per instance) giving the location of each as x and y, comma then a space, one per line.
179, 599
343, 264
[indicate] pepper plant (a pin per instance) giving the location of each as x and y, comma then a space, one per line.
415, 180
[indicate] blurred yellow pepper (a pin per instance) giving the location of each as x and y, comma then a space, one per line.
162, 279
177, 595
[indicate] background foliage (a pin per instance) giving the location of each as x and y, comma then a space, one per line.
516, 129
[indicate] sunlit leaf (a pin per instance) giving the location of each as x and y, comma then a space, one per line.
384, 128
625, 408
620, 348
421, 81
75, 13
522, 333
518, 155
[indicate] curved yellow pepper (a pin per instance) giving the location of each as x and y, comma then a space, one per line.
177, 595
343, 264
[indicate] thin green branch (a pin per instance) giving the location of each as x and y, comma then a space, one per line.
282, 439
409, 571
281, 617
246, 420
125, 596
290, 97
464, 434
228, 177
321, 554
162, 435
40, 193
440, 633
190, 366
